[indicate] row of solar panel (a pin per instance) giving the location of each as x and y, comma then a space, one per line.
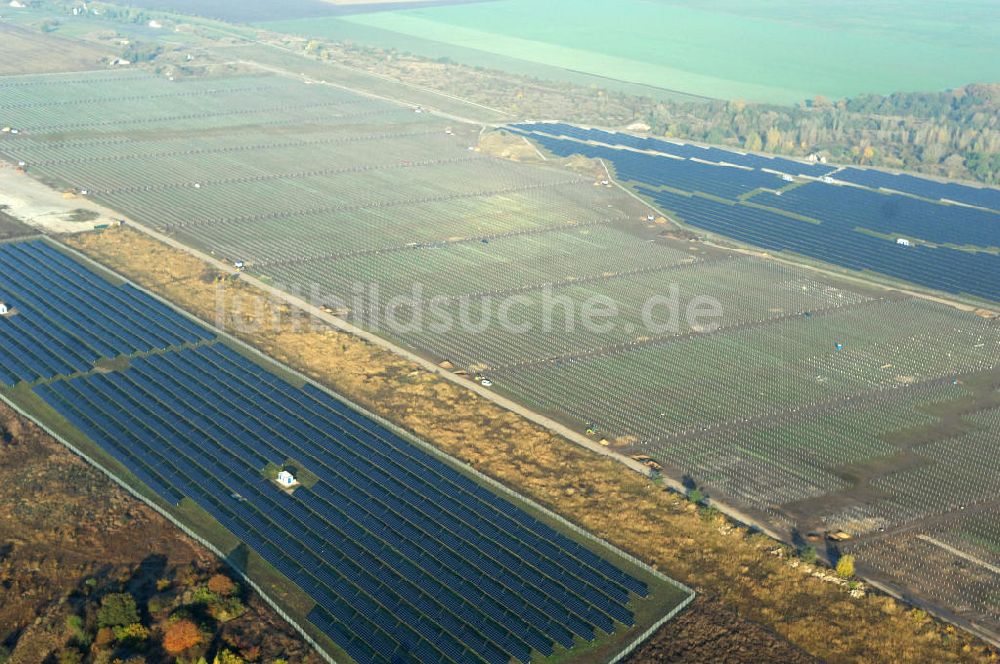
979, 196
854, 207
426, 473
685, 150
64, 317
323, 401
243, 502
722, 181
413, 513
941, 268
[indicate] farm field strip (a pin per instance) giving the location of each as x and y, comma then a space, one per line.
396, 547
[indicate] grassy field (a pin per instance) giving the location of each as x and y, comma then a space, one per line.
24, 51
782, 51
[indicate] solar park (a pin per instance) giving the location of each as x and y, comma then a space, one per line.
405, 557
806, 379
806, 209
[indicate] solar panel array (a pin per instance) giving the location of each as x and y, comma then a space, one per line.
722, 181
858, 227
909, 184
679, 149
65, 317
889, 214
945, 269
407, 559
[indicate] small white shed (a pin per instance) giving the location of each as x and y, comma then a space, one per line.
3, 309
286, 479
903, 242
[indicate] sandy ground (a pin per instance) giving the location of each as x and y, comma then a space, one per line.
44, 208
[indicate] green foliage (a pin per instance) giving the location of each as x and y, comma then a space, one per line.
695, 496
228, 657
69, 656
809, 555
117, 609
202, 595
137, 52
845, 567
77, 631
155, 605
132, 633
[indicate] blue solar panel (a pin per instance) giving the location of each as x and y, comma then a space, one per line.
66, 317
942, 268
406, 558
979, 196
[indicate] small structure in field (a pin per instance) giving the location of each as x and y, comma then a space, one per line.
286, 479
240, 265
903, 242
4, 310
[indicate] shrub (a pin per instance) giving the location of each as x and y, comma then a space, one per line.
132, 633
70, 656
202, 595
228, 657
221, 585
809, 555
180, 636
74, 624
845, 567
117, 609
105, 635
695, 496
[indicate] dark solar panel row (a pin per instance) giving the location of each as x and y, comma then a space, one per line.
685, 150
722, 181
890, 214
66, 317
909, 184
407, 559
941, 268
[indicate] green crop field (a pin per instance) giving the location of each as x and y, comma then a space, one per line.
786, 51
811, 401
